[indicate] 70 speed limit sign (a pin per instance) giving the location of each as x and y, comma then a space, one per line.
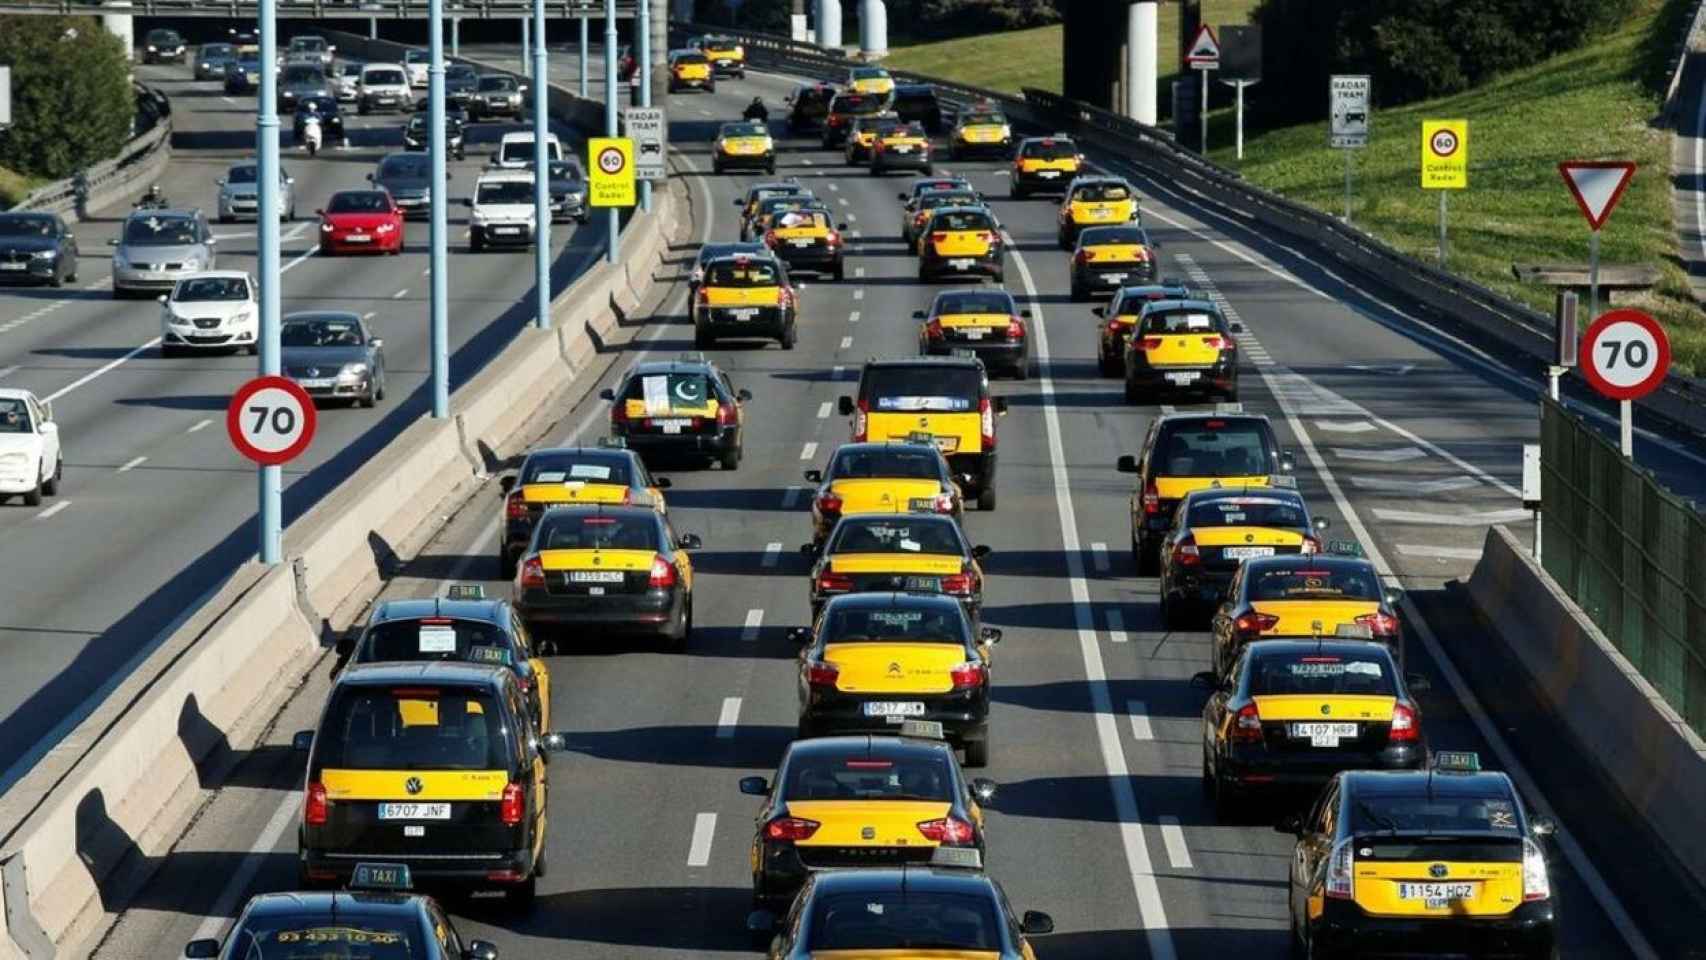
1625, 354
270, 420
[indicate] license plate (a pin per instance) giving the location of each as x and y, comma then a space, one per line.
947, 444
1182, 378
1114, 278
961, 263
359, 238
894, 708
1324, 734
12, 266
506, 230
1245, 553
744, 313
902, 148
1437, 896
414, 811
801, 243
315, 384
1048, 174
974, 334
671, 426
927, 584
595, 576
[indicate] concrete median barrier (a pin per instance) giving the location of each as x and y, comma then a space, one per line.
1647, 753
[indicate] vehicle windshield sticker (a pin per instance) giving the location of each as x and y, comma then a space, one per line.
1365, 667
1316, 669
874, 908
488, 654
438, 639
339, 935
910, 546
589, 471
550, 476
893, 618
1501, 814
1198, 321
656, 390
1231, 518
922, 403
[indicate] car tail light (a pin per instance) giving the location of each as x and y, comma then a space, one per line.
822, 674
1149, 343
933, 329
1211, 342
1151, 500
1404, 726
1015, 328
830, 582
618, 412
789, 829
1255, 622
938, 236
944, 503
513, 805
1380, 623
861, 421
726, 415
968, 676
1115, 325
663, 572
515, 506
987, 412
985, 236
834, 239
1310, 545
532, 574
948, 831
1185, 552
1536, 885
526, 685
1082, 256
829, 503
960, 584
1338, 883
1247, 725
783, 297
315, 806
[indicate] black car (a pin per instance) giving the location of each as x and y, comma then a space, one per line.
844, 108
497, 95
330, 114
568, 192
243, 76
711, 251
1181, 347
807, 240
607, 473
1118, 318
808, 106
986, 321
916, 552
301, 81
917, 103
1215, 530
163, 46
37, 248
745, 297
408, 177
685, 407
332, 355
1108, 258
607, 568
417, 134
460, 83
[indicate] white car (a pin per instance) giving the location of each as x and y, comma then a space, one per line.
501, 210
214, 310
31, 462
417, 62
515, 150
346, 81
383, 86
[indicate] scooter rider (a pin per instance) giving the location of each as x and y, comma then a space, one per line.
311, 128
756, 111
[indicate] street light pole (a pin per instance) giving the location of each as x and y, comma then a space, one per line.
643, 74
585, 70
438, 200
613, 249
541, 175
268, 277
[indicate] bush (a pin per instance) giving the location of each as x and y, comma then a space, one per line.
72, 104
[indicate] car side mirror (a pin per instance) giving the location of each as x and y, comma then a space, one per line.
161, 299
917, 314
814, 476
1236, 327
1207, 679
739, 202
980, 551
1024, 314
755, 786
1393, 595
319, 212
112, 242
800, 635
990, 634
1290, 823
202, 948
841, 226
1126, 464
662, 483
368, 177
1288, 462
902, 197
220, 181
479, 950
808, 549
1418, 683
344, 645
302, 741
1000, 406
1036, 922
506, 483
983, 790
844, 405
761, 921
689, 541
743, 396
468, 202
1542, 826
377, 342
607, 394
1321, 523
554, 742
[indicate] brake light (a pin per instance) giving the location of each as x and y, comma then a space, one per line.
1185, 552
1404, 725
985, 236
829, 503
959, 584
618, 412
315, 806
627, 496
526, 685
513, 805
832, 582
822, 674
861, 421
1115, 325
1082, 256
1151, 499
938, 236
1211, 342
834, 239
532, 574
726, 414
1338, 882
1380, 623
515, 506
967, 676
789, 829
1247, 725
770, 238
1255, 622
1015, 329
663, 572
987, 412
1536, 885
944, 503
704, 297
783, 297
1149, 343
933, 329
948, 831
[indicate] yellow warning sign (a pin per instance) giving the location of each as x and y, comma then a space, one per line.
1445, 154
610, 172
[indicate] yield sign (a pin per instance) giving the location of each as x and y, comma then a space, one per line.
1597, 185
1205, 49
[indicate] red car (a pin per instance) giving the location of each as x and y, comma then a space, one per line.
368, 221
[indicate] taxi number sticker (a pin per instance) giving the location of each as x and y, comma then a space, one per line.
932, 584
589, 471
436, 639
338, 935
488, 654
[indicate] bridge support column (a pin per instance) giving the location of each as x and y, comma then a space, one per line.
829, 23
122, 26
1142, 36
797, 21
873, 28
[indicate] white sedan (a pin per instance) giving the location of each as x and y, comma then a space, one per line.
213, 310
31, 462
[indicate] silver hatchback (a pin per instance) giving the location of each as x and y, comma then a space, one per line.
239, 194
155, 248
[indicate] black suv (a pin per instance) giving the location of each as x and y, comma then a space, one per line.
917, 103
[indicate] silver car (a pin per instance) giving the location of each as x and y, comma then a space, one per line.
333, 356
311, 47
212, 60
239, 194
155, 248
347, 81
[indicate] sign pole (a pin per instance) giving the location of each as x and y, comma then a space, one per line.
1441, 228
585, 71
1347, 186
1626, 427
268, 276
439, 229
643, 71
1593, 274
613, 247
541, 175
1241, 85
1202, 116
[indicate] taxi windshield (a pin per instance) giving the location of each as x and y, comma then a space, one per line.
1323, 674
902, 536
411, 728
945, 198
912, 775
973, 301
211, 289
316, 937
871, 462
160, 232
920, 388
1101, 193
321, 332
1324, 582
589, 531
982, 118
846, 623
1214, 448
1048, 150
744, 130
435, 638
1247, 512
737, 273
1180, 322
570, 469
1438, 816
891, 919
961, 220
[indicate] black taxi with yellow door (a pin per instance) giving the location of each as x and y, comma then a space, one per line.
1107, 258
987, 322
606, 473
922, 552
808, 240
917, 213
1044, 165
1334, 593
1182, 347
759, 192
746, 297
1216, 530
946, 397
963, 241
686, 407
844, 109
901, 146
1095, 201
862, 135
1116, 320
891, 476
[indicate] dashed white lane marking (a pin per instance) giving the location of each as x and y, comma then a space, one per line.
1482, 518
1344, 426
132, 464
1116, 627
704, 824
852, 218
859, 272
200, 425
729, 718
50, 511
1168, 409
400, 294
809, 450
1414, 487
226, 905
809, 161
791, 496
1392, 455
859, 294
858, 235
111, 365
369, 315
1173, 838
426, 272
842, 199
772, 553
227, 99
846, 343
824, 409
1138, 711
749, 630
851, 318
8, 371
704, 112
1099, 556
833, 188
1430, 552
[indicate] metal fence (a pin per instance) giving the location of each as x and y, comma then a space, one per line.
1630, 553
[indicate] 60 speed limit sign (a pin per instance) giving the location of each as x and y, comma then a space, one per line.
1625, 354
270, 420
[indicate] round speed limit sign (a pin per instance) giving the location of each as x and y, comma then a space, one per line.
1625, 354
1444, 143
611, 161
270, 420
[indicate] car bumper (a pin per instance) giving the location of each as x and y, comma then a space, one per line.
150, 280
474, 870
720, 321
394, 105
338, 389
16, 479
414, 208
984, 147
497, 235
1249, 769
962, 716
654, 612
1527, 931
220, 339
975, 265
889, 160
1220, 377
999, 355
664, 444
564, 210
1042, 181
346, 243
816, 255
1111, 278
701, 83
746, 161
32, 270
728, 68
974, 471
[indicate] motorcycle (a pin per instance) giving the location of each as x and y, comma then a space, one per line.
311, 135
153, 199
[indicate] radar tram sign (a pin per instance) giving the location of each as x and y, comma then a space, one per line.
270, 420
1625, 355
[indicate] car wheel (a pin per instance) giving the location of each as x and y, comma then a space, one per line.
1023, 370
252, 349
840, 271
977, 752
50, 486
1106, 366
789, 337
367, 400
1131, 394
986, 499
702, 340
1017, 193
806, 729
32, 497
476, 243
717, 167
770, 168
506, 564
678, 638
730, 459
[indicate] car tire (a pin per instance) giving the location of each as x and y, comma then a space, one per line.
717, 167
770, 168
32, 497
840, 271
730, 460
1023, 370
1018, 193
702, 340
1077, 294
929, 170
986, 499
789, 337
805, 730
1227, 806
252, 349
506, 564
1131, 394
977, 752
367, 401
678, 638
476, 243
1172, 619
1106, 366
50, 486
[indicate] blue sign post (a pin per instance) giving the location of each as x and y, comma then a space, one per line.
268, 276
541, 174
614, 248
439, 236
643, 74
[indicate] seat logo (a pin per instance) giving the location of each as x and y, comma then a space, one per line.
924, 421
1249, 538
1438, 870
597, 560
867, 833
412, 785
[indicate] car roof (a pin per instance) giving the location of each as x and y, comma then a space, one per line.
1229, 493
1087, 179
603, 509
1331, 561
176, 213
485, 611
887, 600
916, 879
949, 361
1163, 306
1176, 419
349, 904
1399, 783
219, 275
502, 176
613, 453
1343, 648
527, 135
325, 314
672, 366
449, 672
14, 393
864, 744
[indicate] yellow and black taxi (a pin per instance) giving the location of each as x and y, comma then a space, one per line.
1107, 258
436, 766
607, 473
887, 477
1329, 594
1095, 201
931, 184
743, 146
466, 627
1116, 320
772, 207
621, 569
808, 106
1291, 713
901, 146
746, 297
870, 80
375, 916
1447, 859
960, 242
1045, 164
862, 136
845, 108
919, 209
891, 913
875, 660
761, 192
806, 240
1217, 529
684, 407
980, 130
1182, 347
727, 56
987, 321
946, 397
691, 70
711, 251
1194, 451
860, 801
920, 552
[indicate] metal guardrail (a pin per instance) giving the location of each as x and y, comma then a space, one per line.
1679, 61
320, 9
141, 158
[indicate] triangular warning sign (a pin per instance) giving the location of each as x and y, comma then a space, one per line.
1597, 185
1205, 48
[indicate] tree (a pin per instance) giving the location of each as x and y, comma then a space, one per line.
72, 104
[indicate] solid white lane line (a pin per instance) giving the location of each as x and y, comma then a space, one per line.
772, 553
113, 365
749, 630
1429, 552
227, 99
699, 850
7, 371
1173, 838
1344, 426
226, 906
1700, 168
791, 496
846, 343
133, 464
1116, 627
809, 450
1139, 713
851, 318
50, 511
1482, 518
299, 258
859, 294
824, 409
729, 718
199, 425
1099, 556
400, 294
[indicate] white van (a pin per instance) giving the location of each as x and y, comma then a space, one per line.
383, 86
501, 210
515, 150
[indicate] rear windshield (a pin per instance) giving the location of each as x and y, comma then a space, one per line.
161, 231
593, 531
678, 389
712, 251
1324, 582
890, 919
900, 130
915, 95
946, 198
1247, 512
856, 104
904, 535
802, 219
866, 463
460, 71
358, 201
1048, 150
1101, 235
961, 220
436, 639
576, 468
942, 389
164, 36
1180, 321
321, 332
939, 623
1214, 448
1102, 192
1132, 299
1276, 674
211, 289
411, 728
691, 58
738, 273
1373, 814
974, 301
912, 775
314, 937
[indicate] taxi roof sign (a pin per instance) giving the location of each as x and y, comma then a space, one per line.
928, 729
967, 858
613, 443
1457, 761
381, 876
465, 591
1344, 548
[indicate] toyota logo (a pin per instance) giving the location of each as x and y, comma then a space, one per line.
1438, 870
412, 785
